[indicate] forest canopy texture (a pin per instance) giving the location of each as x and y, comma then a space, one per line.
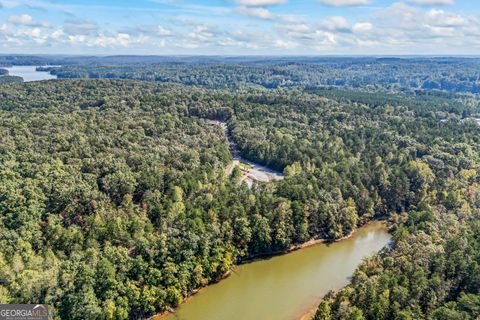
115, 201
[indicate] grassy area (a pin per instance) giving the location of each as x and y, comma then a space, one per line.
245, 165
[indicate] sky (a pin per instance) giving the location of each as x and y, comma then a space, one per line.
240, 27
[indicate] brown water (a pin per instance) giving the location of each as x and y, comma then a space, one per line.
287, 286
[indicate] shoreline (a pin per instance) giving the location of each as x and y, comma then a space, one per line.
165, 314
308, 243
294, 247
312, 242
310, 313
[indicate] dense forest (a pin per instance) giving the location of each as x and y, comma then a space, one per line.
115, 202
388, 74
406, 75
431, 272
5, 78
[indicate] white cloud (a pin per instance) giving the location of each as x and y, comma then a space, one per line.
405, 26
286, 44
34, 34
413, 28
298, 28
441, 31
76, 39
162, 31
57, 34
432, 2
25, 20
399, 28
362, 27
201, 32
14, 40
335, 23
441, 18
230, 42
151, 30
345, 3
399, 14
4, 28
258, 3
187, 45
161, 44
121, 39
329, 38
256, 12
367, 43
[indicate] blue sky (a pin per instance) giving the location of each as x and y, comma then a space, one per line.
241, 27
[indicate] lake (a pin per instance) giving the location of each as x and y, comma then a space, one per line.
29, 73
284, 287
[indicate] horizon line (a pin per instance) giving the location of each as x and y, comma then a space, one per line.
243, 55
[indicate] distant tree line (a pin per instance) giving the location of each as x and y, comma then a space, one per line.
362, 74
7, 79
